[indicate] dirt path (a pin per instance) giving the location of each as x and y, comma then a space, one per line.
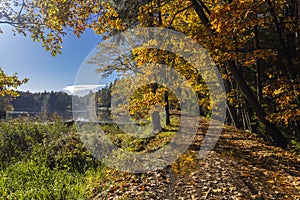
239, 167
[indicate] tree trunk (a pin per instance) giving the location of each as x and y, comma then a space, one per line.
231, 110
233, 116
167, 109
156, 125
258, 68
155, 117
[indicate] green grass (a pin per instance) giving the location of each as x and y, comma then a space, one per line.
44, 161
49, 161
134, 144
29, 180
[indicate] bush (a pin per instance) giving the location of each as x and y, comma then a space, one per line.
17, 138
43, 161
65, 152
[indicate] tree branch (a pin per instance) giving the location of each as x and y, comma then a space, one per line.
178, 12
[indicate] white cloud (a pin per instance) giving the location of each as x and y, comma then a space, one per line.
81, 89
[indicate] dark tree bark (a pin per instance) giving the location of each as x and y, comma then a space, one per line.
234, 119
167, 109
258, 68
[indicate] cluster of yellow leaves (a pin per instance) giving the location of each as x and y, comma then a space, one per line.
234, 98
80, 15
144, 98
286, 95
234, 25
190, 73
8, 84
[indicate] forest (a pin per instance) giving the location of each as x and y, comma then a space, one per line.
255, 46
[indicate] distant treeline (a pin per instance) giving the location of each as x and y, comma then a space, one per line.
46, 104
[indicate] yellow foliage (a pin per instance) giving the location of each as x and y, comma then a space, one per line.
8, 84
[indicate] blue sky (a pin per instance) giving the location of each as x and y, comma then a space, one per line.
29, 59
